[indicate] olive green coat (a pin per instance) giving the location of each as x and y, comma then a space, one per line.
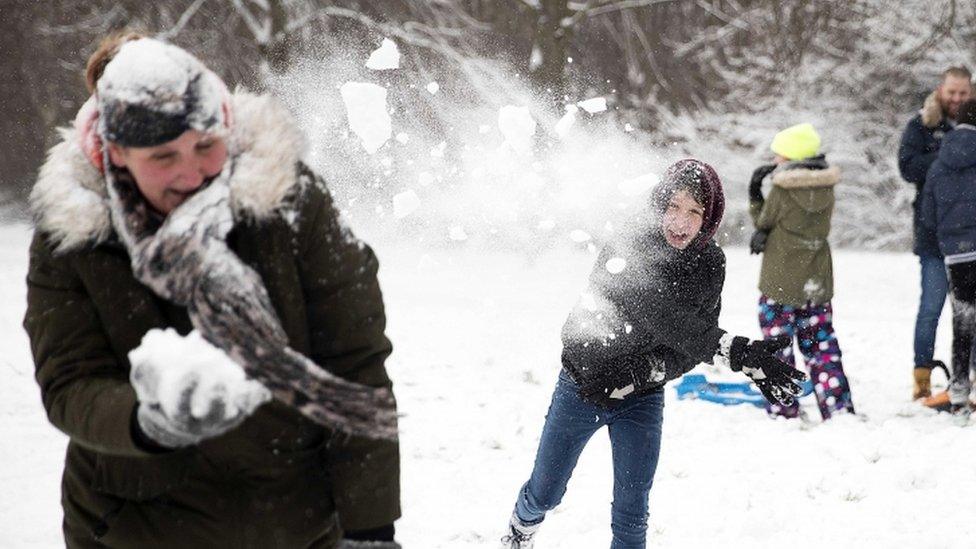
796, 265
278, 480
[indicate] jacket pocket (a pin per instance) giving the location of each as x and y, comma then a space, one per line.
141, 479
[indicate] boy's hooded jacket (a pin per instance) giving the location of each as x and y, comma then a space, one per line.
796, 264
949, 197
650, 311
278, 480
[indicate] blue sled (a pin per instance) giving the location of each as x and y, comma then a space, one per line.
697, 386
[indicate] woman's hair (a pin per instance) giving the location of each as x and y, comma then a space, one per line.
106, 50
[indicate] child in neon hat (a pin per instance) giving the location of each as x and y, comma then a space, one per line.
796, 280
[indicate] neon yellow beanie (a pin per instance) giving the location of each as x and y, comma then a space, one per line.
797, 142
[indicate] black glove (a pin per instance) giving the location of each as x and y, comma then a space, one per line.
778, 381
622, 377
755, 184
757, 244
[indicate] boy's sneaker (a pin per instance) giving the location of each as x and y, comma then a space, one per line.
519, 534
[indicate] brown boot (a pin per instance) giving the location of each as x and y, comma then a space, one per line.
938, 401
923, 382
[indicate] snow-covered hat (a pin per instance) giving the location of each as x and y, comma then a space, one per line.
151, 92
704, 184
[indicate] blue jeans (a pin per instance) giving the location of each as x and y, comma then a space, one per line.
935, 285
635, 439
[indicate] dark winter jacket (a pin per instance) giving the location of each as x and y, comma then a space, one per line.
949, 199
278, 480
919, 148
796, 264
650, 311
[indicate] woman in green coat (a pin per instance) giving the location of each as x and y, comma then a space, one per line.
797, 279
174, 207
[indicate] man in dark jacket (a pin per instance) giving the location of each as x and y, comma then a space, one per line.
919, 147
949, 210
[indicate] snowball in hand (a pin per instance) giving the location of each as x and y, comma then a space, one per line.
166, 365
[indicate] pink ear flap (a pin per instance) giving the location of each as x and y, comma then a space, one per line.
86, 131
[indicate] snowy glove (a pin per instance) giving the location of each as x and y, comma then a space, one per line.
188, 390
755, 184
757, 244
778, 381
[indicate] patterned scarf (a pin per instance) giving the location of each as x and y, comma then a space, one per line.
185, 259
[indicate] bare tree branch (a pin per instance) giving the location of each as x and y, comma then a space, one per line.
183, 20
622, 5
260, 30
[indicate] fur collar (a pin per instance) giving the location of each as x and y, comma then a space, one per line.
69, 199
931, 111
805, 178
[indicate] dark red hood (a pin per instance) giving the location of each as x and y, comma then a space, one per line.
697, 174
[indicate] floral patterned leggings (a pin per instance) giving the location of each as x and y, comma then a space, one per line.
812, 327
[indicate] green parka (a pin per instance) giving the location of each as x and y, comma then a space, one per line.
796, 265
278, 480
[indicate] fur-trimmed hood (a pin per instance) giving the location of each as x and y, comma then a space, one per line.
807, 178
931, 111
811, 189
69, 201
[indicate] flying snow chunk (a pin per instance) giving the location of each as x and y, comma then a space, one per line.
595, 105
457, 233
580, 236
433, 87
403, 138
567, 121
628, 128
367, 113
387, 57
518, 127
616, 265
638, 185
405, 204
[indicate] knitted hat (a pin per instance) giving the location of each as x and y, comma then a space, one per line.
797, 142
703, 183
151, 92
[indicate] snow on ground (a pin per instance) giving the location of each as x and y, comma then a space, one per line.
476, 337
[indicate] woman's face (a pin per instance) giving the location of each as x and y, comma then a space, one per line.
682, 220
170, 173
